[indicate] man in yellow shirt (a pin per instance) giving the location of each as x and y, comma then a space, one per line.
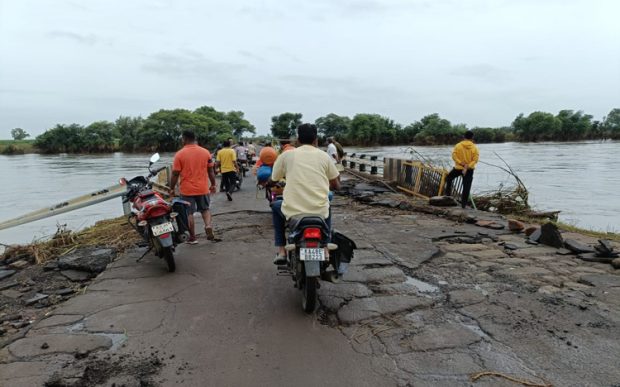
309, 174
465, 155
227, 161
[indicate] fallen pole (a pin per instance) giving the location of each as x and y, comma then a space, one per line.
66, 206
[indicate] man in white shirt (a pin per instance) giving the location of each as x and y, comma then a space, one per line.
332, 151
310, 174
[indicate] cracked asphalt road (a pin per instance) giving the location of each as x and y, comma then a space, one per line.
224, 318
428, 301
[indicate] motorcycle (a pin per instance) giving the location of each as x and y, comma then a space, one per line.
308, 241
163, 225
274, 190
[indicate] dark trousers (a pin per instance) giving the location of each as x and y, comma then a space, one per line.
228, 181
467, 180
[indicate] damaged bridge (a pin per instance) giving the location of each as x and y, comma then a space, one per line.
432, 298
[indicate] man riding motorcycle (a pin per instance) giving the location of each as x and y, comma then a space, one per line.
310, 174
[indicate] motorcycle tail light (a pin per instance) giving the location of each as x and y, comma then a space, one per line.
164, 236
312, 233
312, 244
142, 223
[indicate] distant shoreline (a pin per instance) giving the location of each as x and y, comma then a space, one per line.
21, 147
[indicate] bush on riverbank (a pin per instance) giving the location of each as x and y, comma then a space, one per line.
16, 147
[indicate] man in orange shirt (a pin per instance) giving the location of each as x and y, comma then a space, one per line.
193, 164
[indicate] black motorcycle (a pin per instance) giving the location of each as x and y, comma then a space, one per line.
308, 258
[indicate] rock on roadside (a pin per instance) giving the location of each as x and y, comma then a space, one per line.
91, 260
442, 201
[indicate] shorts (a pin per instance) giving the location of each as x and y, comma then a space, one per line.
197, 203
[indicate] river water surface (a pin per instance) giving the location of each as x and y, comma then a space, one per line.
579, 179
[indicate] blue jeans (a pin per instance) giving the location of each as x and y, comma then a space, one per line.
279, 223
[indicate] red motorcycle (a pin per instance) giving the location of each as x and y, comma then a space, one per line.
162, 224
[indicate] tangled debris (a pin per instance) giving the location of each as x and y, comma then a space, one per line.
99, 369
113, 233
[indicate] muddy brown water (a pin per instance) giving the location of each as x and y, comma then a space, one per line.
577, 178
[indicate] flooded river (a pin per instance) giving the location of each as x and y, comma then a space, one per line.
576, 178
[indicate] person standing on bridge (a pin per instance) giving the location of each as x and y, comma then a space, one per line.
193, 164
227, 161
309, 174
332, 151
465, 155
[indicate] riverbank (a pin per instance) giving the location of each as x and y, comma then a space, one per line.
17, 147
430, 298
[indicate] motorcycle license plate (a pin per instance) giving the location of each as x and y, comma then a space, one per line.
163, 228
311, 254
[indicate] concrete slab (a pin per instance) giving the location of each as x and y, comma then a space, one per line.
444, 336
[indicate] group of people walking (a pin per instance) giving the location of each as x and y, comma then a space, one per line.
310, 174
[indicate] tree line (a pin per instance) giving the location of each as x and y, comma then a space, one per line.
160, 131
373, 129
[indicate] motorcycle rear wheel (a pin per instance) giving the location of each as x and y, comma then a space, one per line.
308, 294
168, 256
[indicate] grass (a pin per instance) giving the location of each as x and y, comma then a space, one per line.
568, 227
596, 234
12, 147
115, 233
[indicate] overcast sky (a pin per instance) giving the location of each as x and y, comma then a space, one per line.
472, 61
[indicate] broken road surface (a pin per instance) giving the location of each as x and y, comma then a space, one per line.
428, 301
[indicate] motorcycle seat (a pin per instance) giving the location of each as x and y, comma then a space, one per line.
306, 220
146, 193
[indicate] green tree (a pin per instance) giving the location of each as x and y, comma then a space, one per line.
211, 112
162, 130
373, 129
538, 126
99, 137
285, 124
436, 130
610, 127
127, 129
574, 125
238, 123
62, 139
19, 134
333, 125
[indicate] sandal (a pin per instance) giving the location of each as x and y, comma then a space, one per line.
279, 260
209, 232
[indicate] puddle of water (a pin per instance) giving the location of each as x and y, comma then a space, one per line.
117, 339
423, 287
77, 327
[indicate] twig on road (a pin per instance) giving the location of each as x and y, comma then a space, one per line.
476, 376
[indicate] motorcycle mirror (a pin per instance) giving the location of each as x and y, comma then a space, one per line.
155, 158
122, 181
